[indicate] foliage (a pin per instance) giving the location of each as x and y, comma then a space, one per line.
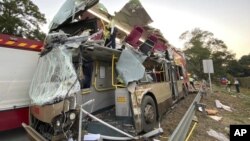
21, 18
235, 69
245, 60
240, 68
200, 45
244, 82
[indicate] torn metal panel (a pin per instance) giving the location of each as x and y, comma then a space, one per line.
135, 106
139, 55
137, 113
133, 14
131, 87
129, 66
68, 10
63, 14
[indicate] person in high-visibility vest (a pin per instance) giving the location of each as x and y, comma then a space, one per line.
110, 33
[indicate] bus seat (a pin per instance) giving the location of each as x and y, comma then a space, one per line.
134, 36
159, 47
148, 45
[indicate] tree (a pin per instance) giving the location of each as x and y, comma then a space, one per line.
245, 60
240, 68
200, 45
245, 63
235, 69
21, 18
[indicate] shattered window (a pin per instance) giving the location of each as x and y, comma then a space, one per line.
155, 71
54, 78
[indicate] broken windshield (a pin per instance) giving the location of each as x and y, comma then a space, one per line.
55, 77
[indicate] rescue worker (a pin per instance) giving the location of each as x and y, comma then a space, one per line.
228, 87
237, 85
110, 33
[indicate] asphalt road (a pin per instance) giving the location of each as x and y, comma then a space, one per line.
14, 135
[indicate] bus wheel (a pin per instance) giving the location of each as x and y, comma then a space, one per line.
149, 114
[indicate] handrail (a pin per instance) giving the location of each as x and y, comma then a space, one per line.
85, 91
181, 130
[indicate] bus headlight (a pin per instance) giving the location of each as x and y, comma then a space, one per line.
72, 116
58, 123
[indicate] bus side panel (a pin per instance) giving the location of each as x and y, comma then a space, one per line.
101, 89
162, 93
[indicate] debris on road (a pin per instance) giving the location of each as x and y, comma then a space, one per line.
220, 105
211, 111
217, 118
92, 137
219, 136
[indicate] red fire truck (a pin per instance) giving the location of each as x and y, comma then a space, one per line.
18, 60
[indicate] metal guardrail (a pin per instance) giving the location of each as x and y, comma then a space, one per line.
181, 131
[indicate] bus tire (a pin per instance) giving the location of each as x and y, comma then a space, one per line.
148, 110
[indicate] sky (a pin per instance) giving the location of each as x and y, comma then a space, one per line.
228, 20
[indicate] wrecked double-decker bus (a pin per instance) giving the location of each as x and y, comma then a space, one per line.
81, 86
